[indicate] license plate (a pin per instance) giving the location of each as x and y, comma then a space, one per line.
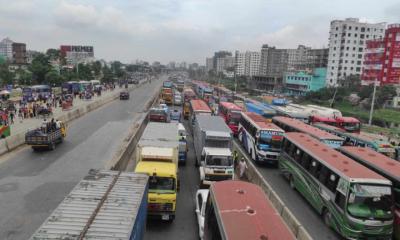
165, 217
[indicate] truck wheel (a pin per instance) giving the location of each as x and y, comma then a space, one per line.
327, 218
196, 163
35, 149
52, 146
291, 182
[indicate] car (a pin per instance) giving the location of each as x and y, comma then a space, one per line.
177, 100
124, 95
201, 201
164, 107
176, 115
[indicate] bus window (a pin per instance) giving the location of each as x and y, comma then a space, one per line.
292, 150
332, 182
323, 175
340, 200
314, 168
305, 161
211, 225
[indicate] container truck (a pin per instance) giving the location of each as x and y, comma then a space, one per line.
157, 156
104, 205
212, 143
167, 95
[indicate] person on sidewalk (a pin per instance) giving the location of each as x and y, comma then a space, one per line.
11, 117
20, 115
242, 169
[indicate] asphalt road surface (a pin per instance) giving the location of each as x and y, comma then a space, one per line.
32, 184
185, 224
298, 205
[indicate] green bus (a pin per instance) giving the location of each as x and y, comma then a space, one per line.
360, 140
385, 166
352, 199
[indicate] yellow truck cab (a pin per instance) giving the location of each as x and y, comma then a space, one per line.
163, 184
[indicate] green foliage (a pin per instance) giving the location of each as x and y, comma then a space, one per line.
6, 76
84, 71
53, 78
53, 54
96, 68
40, 67
116, 67
24, 77
107, 75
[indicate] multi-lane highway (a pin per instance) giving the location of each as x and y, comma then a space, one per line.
32, 184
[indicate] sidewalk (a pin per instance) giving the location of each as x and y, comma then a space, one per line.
31, 123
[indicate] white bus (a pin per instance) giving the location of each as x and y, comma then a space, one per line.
260, 139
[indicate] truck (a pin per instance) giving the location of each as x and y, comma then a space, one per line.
157, 156
167, 95
46, 137
212, 144
103, 205
183, 148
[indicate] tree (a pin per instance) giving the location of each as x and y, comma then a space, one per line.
385, 93
6, 76
96, 68
53, 78
53, 54
84, 71
116, 67
107, 75
24, 77
40, 67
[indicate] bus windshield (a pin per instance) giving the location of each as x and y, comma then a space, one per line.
371, 202
270, 139
234, 117
219, 160
161, 184
351, 126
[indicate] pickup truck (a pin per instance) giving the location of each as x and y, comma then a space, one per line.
41, 138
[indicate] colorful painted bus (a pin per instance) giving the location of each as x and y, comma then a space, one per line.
230, 112
349, 124
294, 125
352, 199
198, 106
385, 166
237, 210
361, 140
261, 140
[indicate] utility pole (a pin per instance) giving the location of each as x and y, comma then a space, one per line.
371, 112
334, 95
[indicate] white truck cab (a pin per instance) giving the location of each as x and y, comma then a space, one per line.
216, 165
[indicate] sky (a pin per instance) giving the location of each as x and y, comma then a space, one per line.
181, 30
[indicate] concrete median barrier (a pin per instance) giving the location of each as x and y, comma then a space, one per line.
256, 177
127, 148
14, 141
3, 146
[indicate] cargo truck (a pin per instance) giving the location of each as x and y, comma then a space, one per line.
104, 205
167, 95
212, 144
157, 156
46, 137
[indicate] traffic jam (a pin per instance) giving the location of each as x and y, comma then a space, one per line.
352, 180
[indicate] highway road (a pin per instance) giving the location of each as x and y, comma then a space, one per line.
297, 204
32, 184
185, 224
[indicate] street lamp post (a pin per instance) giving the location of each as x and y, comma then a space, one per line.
371, 112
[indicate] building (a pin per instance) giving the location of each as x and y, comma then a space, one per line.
299, 83
6, 48
346, 47
273, 62
209, 64
382, 58
247, 63
224, 63
76, 54
19, 53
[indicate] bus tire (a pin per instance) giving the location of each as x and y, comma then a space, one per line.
326, 215
291, 182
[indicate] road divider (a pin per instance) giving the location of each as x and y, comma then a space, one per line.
256, 177
12, 142
124, 154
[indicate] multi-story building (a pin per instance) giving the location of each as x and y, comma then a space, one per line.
19, 53
209, 64
346, 47
6, 48
306, 58
247, 63
382, 58
77, 54
273, 62
301, 82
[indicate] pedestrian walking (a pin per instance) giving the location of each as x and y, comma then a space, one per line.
242, 169
20, 115
12, 117
235, 159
